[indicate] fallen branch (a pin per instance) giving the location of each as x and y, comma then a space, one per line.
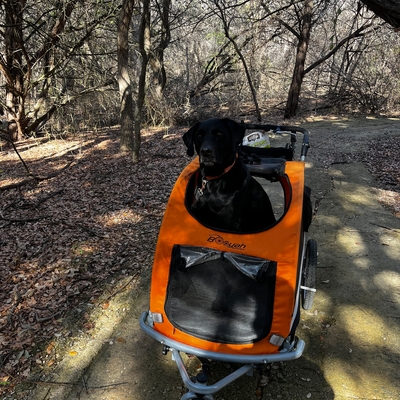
76, 384
38, 319
121, 288
51, 195
385, 227
84, 228
19, 156
35, 178
21, 220
17, 297
53, 174
17, 185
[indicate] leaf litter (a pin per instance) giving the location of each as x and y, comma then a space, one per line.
76, 238
90, 229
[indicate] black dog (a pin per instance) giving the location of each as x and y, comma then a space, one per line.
226, 195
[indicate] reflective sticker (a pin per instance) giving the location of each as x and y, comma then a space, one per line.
276, 340
157, 318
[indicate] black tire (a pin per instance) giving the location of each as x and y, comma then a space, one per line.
309, 274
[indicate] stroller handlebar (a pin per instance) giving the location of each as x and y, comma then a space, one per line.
281, 129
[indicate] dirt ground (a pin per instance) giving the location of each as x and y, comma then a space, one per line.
352, 333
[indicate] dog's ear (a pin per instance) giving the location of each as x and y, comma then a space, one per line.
238, 131
188, 139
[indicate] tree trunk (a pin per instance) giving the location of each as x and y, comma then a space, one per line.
13, 69
301, 54
156, 60
20, 60
124, 80
144, 45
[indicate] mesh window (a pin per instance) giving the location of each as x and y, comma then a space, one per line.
220, 297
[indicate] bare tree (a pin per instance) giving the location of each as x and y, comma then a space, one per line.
40, 43
306, 15
199, 55
222, 13
144, 46
12, 68
218, 65
132, 109
156, 57
124, 80
303, 37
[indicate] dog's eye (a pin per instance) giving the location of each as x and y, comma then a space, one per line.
219, 134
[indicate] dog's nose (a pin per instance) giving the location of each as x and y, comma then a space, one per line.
206, 151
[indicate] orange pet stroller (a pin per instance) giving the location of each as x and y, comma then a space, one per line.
235, 297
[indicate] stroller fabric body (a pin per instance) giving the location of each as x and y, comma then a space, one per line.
229, 296
222, 291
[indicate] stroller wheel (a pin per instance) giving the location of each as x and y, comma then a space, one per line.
309, 274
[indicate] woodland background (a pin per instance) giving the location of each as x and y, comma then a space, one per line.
69, 65
88, 87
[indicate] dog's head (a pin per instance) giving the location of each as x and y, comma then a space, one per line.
216, 142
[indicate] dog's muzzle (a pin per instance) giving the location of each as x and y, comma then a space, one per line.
207, 156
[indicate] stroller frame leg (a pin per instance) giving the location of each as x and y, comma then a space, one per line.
202, 388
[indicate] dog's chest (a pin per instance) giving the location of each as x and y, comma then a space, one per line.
211, 200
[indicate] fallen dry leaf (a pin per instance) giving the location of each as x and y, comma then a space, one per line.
50, 348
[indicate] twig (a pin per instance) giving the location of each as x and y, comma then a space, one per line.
22, 220
339, 162
41, 201
17, 185
47, 318
84, 228
19, 156
154, 215
36, 178
17, 296
385, 227
84, 384
122, 288
48, 392
76, 384
53, 174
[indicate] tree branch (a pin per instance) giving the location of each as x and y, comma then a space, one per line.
356, 33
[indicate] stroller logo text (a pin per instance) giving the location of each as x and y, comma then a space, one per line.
220, 241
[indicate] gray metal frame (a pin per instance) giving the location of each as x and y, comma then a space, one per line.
290, 351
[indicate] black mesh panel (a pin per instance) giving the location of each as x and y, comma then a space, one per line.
214, 300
